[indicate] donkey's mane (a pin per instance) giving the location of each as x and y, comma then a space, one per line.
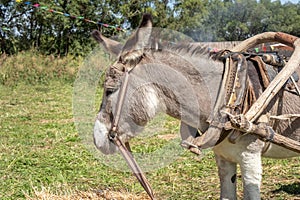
189, 49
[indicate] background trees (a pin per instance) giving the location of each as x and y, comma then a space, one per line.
24, 26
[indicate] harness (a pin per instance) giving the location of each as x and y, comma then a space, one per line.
237, 96
125, 149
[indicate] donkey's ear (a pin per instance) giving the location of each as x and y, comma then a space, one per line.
143, 34
147, 21
134, 47
111, 46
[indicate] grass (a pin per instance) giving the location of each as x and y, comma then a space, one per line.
33, 68
42, 155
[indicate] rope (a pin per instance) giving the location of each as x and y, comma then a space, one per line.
37, 5
285, 117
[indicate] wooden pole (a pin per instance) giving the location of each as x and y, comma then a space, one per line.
262, 102
277, 83
264, 132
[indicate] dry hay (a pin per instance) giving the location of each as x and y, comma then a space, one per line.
45, 194
168, 136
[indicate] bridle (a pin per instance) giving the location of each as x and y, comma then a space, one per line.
114, 137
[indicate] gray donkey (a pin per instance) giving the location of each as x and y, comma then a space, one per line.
183, 81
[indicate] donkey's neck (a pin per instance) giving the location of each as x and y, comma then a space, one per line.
183, 87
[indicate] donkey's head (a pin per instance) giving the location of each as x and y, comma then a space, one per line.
164, 76
129, 56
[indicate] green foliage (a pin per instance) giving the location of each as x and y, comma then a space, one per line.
24, 27
284, 17
32, 68
52, 33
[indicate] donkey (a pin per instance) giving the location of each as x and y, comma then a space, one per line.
183, 81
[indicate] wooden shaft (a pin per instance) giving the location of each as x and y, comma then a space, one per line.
264, 38
277, 83
134, 167
262, 102
267, 134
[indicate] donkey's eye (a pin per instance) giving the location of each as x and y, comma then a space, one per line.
108, 92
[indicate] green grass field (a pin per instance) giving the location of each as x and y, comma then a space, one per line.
42, 156
40, 148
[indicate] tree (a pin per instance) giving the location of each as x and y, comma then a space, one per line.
53, 27
235, 20
284, 17
62, 27
9, 26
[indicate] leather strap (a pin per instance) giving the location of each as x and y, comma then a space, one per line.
127, 155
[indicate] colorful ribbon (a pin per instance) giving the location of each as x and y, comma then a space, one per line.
37, 5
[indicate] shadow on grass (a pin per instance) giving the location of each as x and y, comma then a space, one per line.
292, 189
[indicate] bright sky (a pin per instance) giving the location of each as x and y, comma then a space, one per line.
293, 1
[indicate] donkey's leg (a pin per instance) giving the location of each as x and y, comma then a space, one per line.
251, 170
227, 175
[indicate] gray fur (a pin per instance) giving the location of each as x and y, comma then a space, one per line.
183, 81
